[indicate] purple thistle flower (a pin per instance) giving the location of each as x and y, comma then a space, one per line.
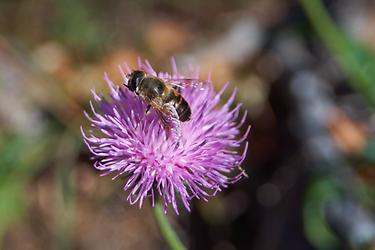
136, 145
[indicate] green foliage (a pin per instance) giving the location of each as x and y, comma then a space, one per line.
357, 62
317, 231
21, 158
75, 26
11, 202
368, 152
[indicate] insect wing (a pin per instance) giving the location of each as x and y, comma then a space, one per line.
185, 82
170, 121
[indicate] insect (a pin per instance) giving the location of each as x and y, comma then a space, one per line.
159, 94
164, 97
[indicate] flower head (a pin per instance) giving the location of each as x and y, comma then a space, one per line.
136, 145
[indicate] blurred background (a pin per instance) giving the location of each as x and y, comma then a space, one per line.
306, 75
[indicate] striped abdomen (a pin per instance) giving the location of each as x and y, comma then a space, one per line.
171, 96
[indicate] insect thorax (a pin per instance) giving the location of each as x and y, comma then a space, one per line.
151, 87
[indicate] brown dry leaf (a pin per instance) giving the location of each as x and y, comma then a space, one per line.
119, 57
367, 173
221, 70
269, 12
349, 136
54, 58
90, 76
166, 38
366, 31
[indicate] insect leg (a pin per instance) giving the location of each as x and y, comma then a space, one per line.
243, 171
148, 109
171, 123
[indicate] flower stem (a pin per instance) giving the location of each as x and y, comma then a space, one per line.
166, 229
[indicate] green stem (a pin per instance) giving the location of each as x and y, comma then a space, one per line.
166, 229
356, 62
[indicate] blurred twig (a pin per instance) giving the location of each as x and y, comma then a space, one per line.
66, 155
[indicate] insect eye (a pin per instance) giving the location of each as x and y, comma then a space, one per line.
131, 84
135, 80
160, 88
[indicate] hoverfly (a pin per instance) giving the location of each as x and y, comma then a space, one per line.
163, 96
